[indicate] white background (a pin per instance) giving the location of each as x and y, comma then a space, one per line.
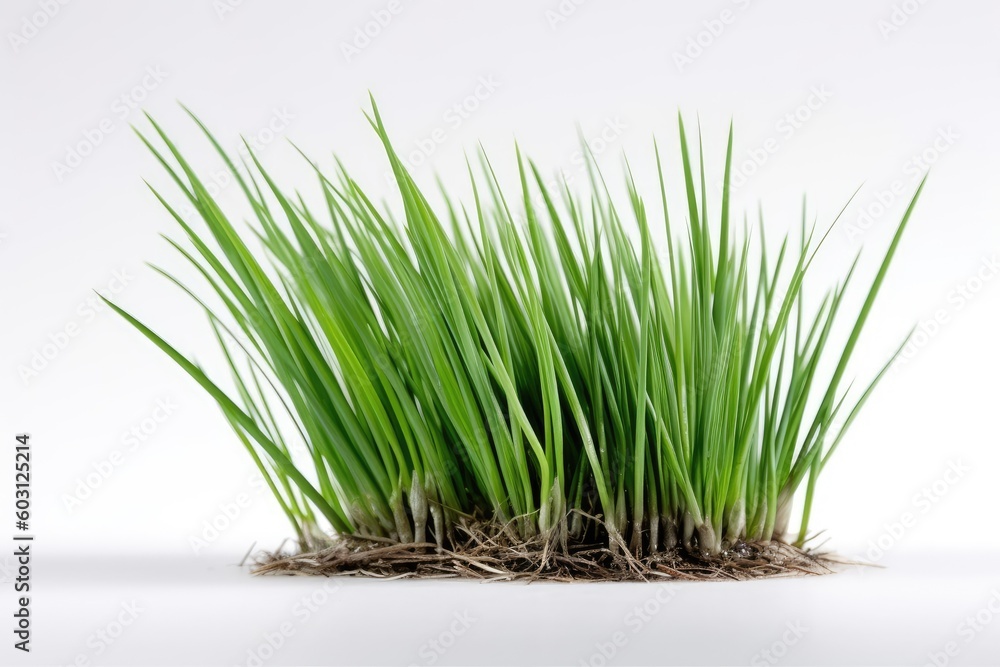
888, 82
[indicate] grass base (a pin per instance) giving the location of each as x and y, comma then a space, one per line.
495, 556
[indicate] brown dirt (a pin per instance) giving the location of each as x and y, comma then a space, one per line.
475, 553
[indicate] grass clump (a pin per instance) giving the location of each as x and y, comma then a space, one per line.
554, 376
